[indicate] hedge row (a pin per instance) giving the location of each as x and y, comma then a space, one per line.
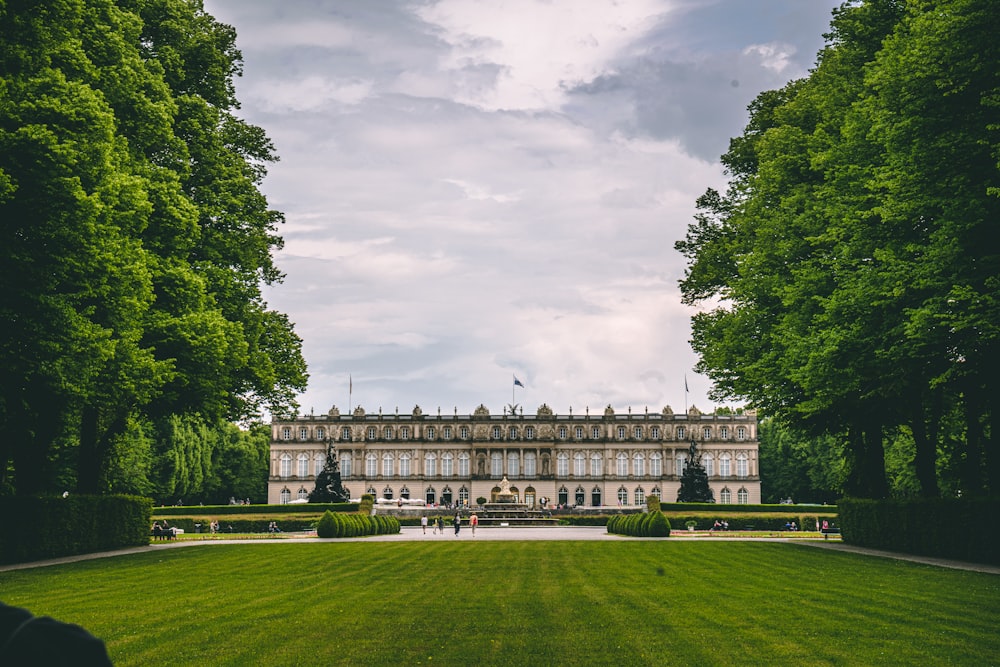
942, 528
50, 527
731, 509
225, 510
646, 524
355, 525
737, 522
286, 525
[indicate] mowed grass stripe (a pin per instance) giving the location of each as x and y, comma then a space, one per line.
505, 603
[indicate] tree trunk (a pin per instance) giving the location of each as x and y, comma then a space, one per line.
924, 423
972, 470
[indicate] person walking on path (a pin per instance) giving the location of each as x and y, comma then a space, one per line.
458, 523
473, 522
440, 524
423, 523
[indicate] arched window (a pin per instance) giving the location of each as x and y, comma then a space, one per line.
371, 465
446, 495
596, 466
448, 464
563, 496
579, 465
639, 464
404, 493
513, 464
725, 496
286, 466
302, 493
595, 497
580, 496
656, 492
463, 464
345, 464
708, 463
741, 465
622, 496
724, 470
286, 496
681, 462
640, 497
463, 496
430, 464
742, 497
372, 492
496, 464
387, 493
529, 464
656, 464
404, 465
621, 465
562, 464
303, 467
318, 461
429, 496
387, 465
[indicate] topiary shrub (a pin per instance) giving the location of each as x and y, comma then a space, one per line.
659, 526
327, 525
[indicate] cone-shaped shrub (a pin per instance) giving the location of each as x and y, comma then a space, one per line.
327, 526
659, 526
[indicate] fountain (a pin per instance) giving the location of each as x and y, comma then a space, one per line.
505, 510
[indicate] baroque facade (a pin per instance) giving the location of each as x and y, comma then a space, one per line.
585, 460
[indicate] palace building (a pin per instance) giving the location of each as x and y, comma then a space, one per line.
584, 460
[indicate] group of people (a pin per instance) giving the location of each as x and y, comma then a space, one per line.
273, 527
437, 524
720, 525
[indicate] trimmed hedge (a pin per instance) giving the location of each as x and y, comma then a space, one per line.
645, 524
737, 522
36, 528
731, 509
223, 510
943, 528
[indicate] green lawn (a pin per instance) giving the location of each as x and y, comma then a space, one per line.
519, 603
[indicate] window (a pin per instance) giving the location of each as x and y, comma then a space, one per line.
429, 432
303, 433
596, 467
429, 496
302, 494
446, 495
286, 434
622, 495
303, 467
741, 465
706, 433
724, 433
579, 465
529, 464
578, 433
621, 432
708, 463
637, 433
725, 496
580, 496
529, 432
496, 464
654, 433
404, 493
741, 433
562, 432
512, 433
372, 492
742, 497
513, 464
286, 466
639, 464
724, 465
387, 493
430, 464
463, 464
404, 433
371, 432
447, 433
286, 496
448, 464
464, 432
656, 464
318, 462
320, 433
656, 492
463, 496
371, 465
563, 496
496, 432
680, 432
595, 432
640, 497
345, 464
345, 433
681, 462
404, 465
562, 464
387, 465
621, 465
595, 497
387, 433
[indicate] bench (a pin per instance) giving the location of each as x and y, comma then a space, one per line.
159, 533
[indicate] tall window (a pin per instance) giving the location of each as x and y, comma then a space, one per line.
656, 464
621, 432
448, 464
742, 497
286, 466
706, 433
724, 465
596, 469
680, 432
639, 464
286, 496
563, 496
404, 433
387, 465
303, 467
741, 433
724, 433
345, 433
562, 464
562, 432
430, 464
529, 432
654, 433
496, 464
640, 497
496, 432
580, 496
318, 461
741, 465
463, 464
345, 464
579, 465
404, 493
404, 465
622, 495
464, 431
447, 433
286, 434
578, 433
302, 493
463, 496
725, 496
595, 432
429, 432
681, 462
320, 433
371, 465
708, 463
621, 465
656, 492
637, 433
512, 433
371, 432
303, 433
513, 464
387, 433
529, 464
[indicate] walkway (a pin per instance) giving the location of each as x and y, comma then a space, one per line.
509, 533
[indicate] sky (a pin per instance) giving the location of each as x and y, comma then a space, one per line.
481, 190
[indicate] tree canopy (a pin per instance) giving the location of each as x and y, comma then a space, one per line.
849, 283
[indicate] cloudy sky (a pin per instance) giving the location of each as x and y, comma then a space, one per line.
478, 190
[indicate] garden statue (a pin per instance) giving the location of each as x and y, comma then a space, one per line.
329, 488
694, 480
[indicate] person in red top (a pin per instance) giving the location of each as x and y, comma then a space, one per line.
473, 522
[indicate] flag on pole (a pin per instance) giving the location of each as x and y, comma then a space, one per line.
685, 384
350, 384
517, 383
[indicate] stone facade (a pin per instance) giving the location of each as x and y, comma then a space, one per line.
606, 459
